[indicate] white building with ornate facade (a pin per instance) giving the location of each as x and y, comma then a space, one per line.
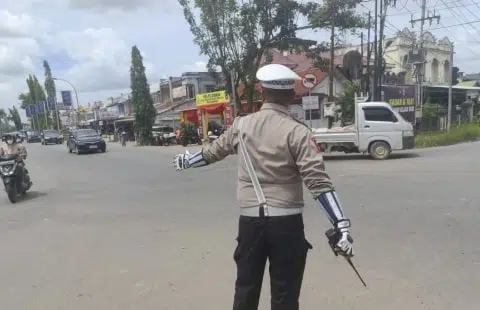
437, 57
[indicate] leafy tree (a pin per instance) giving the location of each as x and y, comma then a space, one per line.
51, 91
237, 35
15, 118
345, 18
347, 103
3, 120
141, 99
35, 94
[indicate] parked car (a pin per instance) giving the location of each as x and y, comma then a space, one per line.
85, 141
22, 134
163, 135
33, 136
51, 137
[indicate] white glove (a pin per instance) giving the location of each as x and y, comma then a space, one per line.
180, 161
344, 246
340, 241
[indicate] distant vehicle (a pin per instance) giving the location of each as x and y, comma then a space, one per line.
85, 141
378, 130
163, 135
51, 137
33, 136
22, 134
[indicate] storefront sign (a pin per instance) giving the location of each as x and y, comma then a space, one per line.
179, 92
402, 99
217, 97
108, 115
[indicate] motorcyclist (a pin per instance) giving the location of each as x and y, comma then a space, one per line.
11, 145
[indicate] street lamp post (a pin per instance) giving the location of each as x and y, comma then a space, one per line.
74, 89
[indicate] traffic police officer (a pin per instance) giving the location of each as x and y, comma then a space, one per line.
282, 153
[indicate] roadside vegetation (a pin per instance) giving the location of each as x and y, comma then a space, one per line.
458, 134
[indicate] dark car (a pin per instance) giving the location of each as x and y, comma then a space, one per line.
51, 137
33, 136
85, 141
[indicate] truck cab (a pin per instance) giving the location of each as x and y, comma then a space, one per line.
378, 130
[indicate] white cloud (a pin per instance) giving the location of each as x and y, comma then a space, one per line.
124, 5
101, 56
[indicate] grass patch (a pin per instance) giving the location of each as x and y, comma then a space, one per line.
458, 134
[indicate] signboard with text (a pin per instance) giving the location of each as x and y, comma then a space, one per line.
402, 100
66, 97
217, 97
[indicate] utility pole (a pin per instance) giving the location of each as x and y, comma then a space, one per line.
450, 95
375, 48
420, 67
369, 55
331, 74
331, 95
361, 63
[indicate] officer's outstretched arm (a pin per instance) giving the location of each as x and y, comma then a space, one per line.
312, 169
213, 152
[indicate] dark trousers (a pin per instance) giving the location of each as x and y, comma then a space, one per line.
280, 239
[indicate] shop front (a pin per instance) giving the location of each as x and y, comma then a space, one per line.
214, 105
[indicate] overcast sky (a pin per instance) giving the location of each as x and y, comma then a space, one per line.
88, 41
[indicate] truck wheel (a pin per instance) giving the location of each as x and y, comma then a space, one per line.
380, 150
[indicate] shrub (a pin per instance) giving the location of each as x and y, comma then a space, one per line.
458, 134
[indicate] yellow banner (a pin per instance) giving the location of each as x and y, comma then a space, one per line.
216, 97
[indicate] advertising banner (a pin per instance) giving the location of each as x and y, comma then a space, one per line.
27, 111
217, 97
41, 107
402, 99
66, 97
51, 103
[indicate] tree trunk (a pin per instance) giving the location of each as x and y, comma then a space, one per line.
249, 91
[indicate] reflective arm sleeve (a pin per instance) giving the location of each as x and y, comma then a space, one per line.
330, 204
196, 160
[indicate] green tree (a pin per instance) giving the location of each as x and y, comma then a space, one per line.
345, 18
347, 103
237, 35
51, 91
15, 118
36, 94
141, 99
3, 120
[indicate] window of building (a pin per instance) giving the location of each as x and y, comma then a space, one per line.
379, 114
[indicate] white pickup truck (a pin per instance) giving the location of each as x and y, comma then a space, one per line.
378, 130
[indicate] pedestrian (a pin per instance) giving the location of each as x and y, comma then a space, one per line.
279, 153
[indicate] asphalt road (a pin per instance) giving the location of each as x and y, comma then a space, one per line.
123, 230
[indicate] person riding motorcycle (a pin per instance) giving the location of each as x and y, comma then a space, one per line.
11, 145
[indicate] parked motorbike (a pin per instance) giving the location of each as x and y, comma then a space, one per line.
190, 139
9, 172
169, 139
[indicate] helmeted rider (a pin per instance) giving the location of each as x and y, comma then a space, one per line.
11, 145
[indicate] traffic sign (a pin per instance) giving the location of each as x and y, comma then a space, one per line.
309, 80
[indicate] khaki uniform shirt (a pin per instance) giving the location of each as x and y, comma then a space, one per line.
283, 153
11, 149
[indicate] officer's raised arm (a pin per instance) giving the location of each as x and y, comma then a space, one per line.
220, 148
312, 170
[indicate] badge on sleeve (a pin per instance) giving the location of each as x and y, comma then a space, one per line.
315, 145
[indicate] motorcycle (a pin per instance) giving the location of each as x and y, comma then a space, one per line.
9, 172
169, 139
190, 139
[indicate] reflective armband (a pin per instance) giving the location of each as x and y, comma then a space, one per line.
330, 204
196, 160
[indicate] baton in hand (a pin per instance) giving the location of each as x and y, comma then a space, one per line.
331, 233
